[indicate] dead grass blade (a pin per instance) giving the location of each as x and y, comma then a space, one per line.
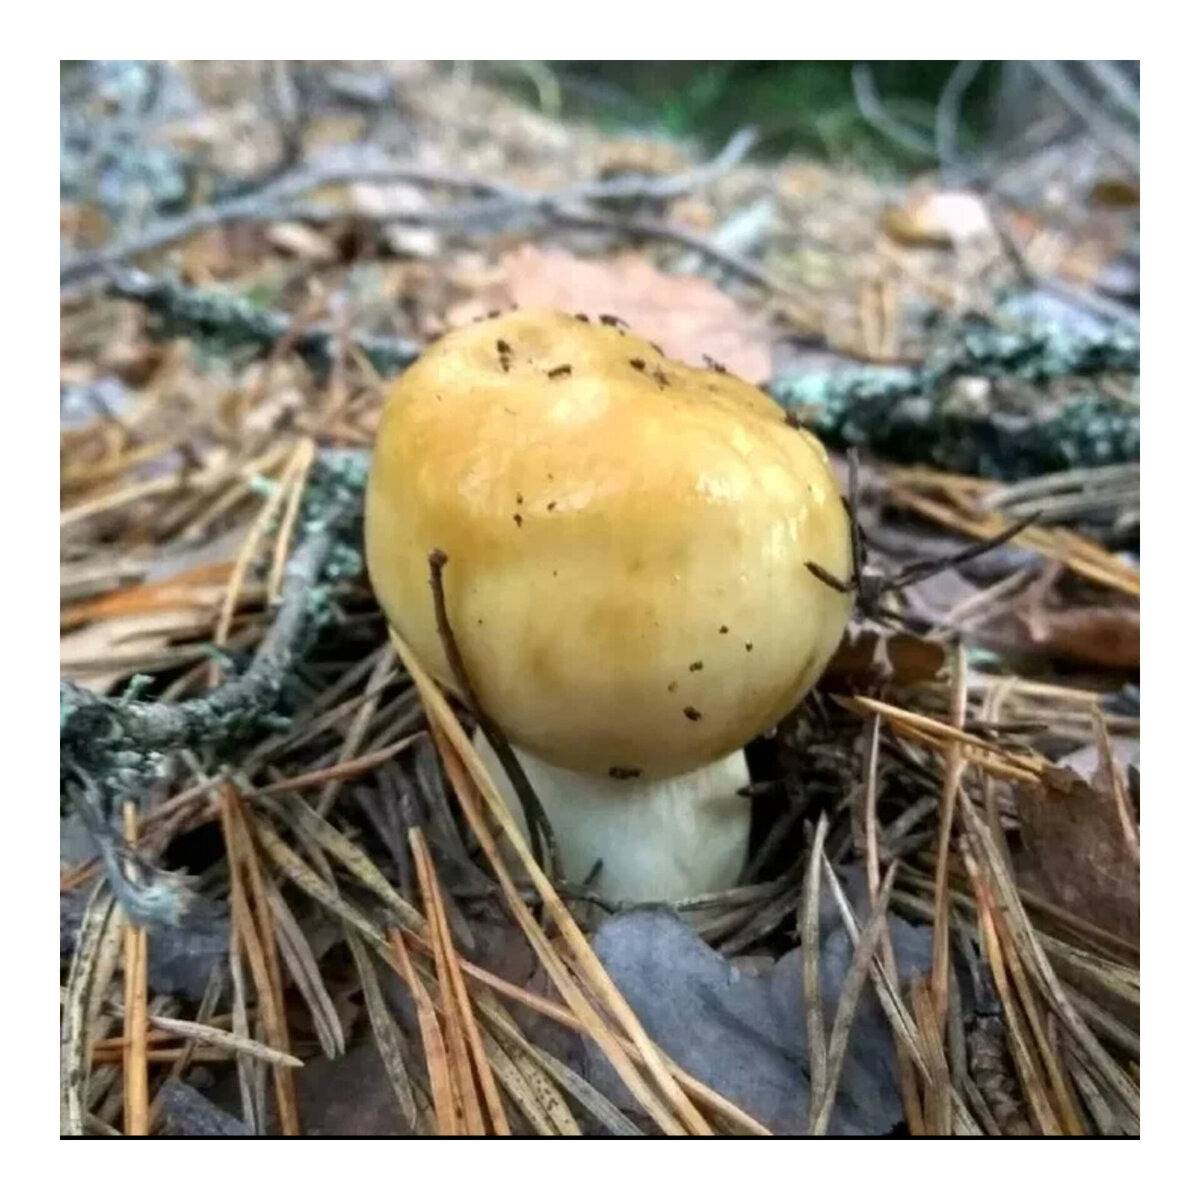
453, 1018
594, 1102
99, 914
449, 1121
555, 967
306, 974
517, 1088
1030, 947
384, 669
898, 1016
856, 977
252, 1115
533, 1089
1102, 1114
184, 590
909, 1095
814, 1018
211, 1035
951, 781
305, 454
454, 990
204, 1017
137, 1073
937, 1096
388, 1037
389, 1040
1078, 554
118, 499
932, 732
250, 545
1064, 1105
1032, 1084
258, 942
294, 868
346, 770
338, 846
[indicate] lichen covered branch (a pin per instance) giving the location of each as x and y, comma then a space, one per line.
113, 747
232, 321
901, 413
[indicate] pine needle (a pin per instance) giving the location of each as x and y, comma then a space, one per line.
814, 1019
821, 1103
258, 941
449, 1122
950, 786
454, 990
137, 1075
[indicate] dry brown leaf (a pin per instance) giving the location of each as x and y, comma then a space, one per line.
942, 219
302, 241
693, 213
639, 156
1094, 636
1117, 193
225, 252
85, 225
687, 316
868, 657
1077, 855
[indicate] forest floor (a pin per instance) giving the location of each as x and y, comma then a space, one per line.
938, 927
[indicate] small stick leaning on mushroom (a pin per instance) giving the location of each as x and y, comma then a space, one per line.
625, 541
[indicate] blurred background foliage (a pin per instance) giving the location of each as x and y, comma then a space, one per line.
808, 107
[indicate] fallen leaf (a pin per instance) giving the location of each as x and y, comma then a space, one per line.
689, 317
302, 241
188, 1113
225, 252
639, 157
868, 657
743, 1032
1076, 853
142, 636
693, 213
83, 224
942, 219
1117, 193
1086, 760
1093, 636
181, 957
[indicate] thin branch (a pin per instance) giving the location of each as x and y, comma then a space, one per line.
1116, 85
271, 203
949, 107
919, 571
264, 204
872, 110
158, 726
1114, 139
236, 321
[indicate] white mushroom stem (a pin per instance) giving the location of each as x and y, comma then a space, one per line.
657, 839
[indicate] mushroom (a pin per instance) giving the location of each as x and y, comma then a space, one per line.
627, 540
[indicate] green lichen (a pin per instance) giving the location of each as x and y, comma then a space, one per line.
906, 414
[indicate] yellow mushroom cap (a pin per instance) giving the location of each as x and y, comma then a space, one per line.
626, 539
